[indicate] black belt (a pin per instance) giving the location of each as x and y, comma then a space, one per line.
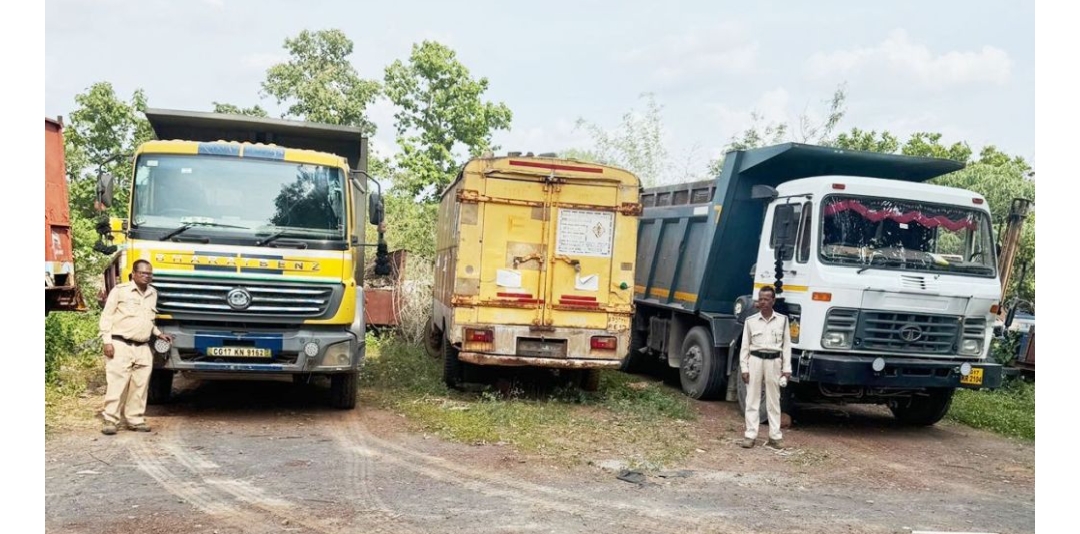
765, 355
130, 342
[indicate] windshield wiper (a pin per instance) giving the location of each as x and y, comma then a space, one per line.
188, 225
282, 233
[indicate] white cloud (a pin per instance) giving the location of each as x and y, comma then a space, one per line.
898, 59
261, 61
772, 107
727, 49
216, 4
554, 136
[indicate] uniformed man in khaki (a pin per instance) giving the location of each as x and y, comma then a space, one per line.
765, 356
127, 327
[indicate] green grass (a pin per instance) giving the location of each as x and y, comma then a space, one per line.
73, 364
641, 422
1009, 411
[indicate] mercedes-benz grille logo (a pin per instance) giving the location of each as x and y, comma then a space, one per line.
910, 333
239, 298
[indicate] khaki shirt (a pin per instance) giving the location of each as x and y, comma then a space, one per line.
129, 313
759, 333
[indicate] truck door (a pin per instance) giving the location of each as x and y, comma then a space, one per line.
796, 257
587, 250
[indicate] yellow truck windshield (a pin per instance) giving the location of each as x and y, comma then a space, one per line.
219, 196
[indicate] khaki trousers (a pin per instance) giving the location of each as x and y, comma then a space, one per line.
769, 371
128, 376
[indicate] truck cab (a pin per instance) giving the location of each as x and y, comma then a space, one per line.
891, 287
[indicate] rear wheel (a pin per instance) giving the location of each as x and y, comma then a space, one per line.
924, 410
432, 339
635, 360
452, 366
701, 371
343, 388
590, 379
159, 390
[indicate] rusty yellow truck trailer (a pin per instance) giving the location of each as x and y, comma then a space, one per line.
535, 266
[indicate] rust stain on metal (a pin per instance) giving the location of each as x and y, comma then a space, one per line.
520, 361
469, 195
463, 300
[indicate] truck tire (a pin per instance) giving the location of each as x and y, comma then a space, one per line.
635, 361
432, 340
453, 369
343, 388
159, 391
701, 372
763, 413
590, 379
924, 410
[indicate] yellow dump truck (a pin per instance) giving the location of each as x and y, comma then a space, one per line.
535, 266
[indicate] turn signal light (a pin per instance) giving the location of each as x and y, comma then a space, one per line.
822, 297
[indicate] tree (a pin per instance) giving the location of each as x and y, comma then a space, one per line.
253, 111
761, 133
857, 139
635, 145
928, 145
103, 126
440, 107
319, 83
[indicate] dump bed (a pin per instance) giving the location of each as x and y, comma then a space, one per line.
61, 291
697, 241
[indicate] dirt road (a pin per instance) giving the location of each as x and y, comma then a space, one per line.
249, 457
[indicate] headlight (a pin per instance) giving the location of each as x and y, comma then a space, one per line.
971, 346
840, 328
338, 355
836, 340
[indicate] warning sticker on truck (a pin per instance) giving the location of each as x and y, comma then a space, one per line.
585, 233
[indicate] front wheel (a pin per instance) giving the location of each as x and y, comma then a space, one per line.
343, 388
701, 371
925, 409
159, 390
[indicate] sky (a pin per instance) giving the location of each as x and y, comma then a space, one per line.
964, 68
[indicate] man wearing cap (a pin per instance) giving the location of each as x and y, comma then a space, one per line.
126, 328
765, 356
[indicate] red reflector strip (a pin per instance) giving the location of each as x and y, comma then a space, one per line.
554, 167
579, 303
977, 200
515, 295
579, 297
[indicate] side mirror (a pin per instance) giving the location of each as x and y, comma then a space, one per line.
104, 190
763, 192
375, 208
1010, 316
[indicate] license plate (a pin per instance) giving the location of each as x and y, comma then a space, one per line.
973, 379
239, 352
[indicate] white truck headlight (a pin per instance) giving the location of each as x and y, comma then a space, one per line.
338, 355
836, 340
971, 346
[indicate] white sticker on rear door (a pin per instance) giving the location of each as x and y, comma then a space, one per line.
585, 233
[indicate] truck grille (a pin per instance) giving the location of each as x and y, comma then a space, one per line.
908, 332
266, 298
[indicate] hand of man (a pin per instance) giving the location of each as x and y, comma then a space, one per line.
165, 337
786, 375
746, 378
109, 351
